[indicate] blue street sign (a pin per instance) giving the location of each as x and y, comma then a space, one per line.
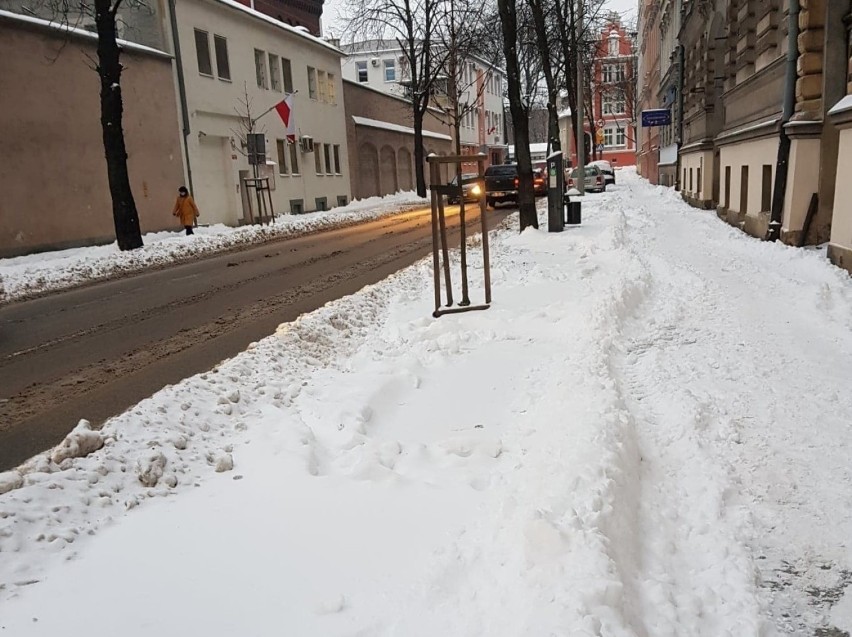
656, 117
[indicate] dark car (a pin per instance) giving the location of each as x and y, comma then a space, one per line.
501, 184
471, 188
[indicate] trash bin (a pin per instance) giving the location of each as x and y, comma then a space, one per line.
572, 208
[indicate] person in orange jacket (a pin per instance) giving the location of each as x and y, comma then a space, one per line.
185, 209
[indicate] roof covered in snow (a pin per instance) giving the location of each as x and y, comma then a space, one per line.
76, 32
396, 128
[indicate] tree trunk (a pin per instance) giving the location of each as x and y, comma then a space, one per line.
125, 216
419, 154
520, 114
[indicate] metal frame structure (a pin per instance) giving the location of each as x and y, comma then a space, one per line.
440, 247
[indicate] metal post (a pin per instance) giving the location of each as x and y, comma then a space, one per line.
486, 258
442, 224
436, 266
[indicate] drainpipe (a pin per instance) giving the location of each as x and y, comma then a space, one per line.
773, 233
184, 112
680, 60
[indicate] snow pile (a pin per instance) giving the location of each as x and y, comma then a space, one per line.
35, 274
636, 439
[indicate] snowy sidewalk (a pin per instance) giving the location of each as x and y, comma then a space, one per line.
36, 274
646, 436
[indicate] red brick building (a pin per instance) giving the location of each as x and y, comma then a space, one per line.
613, 93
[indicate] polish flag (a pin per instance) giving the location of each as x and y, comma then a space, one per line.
285, 110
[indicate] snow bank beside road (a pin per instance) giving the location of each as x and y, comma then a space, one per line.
600, 453
36, 274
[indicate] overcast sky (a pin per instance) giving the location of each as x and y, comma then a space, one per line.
334, 23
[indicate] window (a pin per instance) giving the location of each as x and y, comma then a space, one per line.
223, 64
612, 104
331, 89
337, 161
297, 206
613, 43
727, 186
766, 194
614, 136
312, 82
260, 68
610, 73
275, 72
361, 68
321, 85
342, 200
294, 159
743, 190
288, 75
202, 53
317, 157
390, 71
326, 149
282, 156
321, 203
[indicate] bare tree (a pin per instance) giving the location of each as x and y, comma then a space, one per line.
70, 14
412, 25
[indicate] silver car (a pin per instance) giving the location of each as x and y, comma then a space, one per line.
594, 179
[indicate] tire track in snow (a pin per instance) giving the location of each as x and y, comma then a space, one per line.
693, 575
736, 364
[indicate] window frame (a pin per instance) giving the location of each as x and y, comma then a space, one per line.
281, 147
326, 151
286, 75
216, 40
206, 35
389, 65
274, 72
337, 168
331, 88
294, 160
318, 158
361, 65
261, 71
312, 83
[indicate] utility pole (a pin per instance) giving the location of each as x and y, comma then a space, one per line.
581, 138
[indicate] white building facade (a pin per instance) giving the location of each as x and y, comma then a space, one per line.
381, 65
232, 54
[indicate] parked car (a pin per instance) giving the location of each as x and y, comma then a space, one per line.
606, 169
471, 188
501, 184
539, 182
594, 179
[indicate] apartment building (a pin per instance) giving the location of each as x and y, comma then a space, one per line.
614, 95
648, 89
773, 172
235, 60
380, 65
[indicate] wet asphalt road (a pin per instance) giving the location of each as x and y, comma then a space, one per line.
94, 351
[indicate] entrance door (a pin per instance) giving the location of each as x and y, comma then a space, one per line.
213, 181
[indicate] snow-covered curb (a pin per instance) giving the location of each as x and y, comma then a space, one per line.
34, 275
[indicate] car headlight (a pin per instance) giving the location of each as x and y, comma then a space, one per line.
476, 190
